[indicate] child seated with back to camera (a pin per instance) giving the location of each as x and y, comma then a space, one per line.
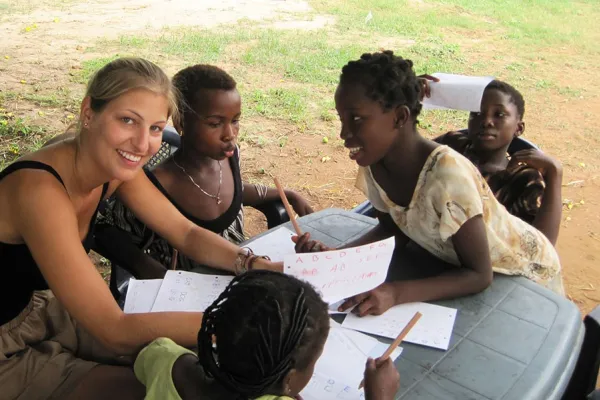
259, 340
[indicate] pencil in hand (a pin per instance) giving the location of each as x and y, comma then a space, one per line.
288, 208
413, 321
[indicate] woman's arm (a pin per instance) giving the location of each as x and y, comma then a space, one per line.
256, 195
201, 245
48, 224
474, 275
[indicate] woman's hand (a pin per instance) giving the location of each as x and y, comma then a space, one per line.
298, 203
373, 302
382, 380
305, 245
424, 85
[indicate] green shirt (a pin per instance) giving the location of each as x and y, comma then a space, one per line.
154, 368
154, 365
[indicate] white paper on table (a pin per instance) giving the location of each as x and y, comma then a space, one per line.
323, 387
456, 92
434, 329
340, 369
141, 295
276, 244
344, 273
189, 291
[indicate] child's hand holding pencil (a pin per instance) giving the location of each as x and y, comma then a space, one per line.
382, 380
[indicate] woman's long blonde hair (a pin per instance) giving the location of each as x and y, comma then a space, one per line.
128, 73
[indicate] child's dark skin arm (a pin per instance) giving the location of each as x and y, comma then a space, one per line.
547, 219
298, 203
383, 230
474, 275
116, 244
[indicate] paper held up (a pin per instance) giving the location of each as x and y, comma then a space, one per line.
456, 92
344, 273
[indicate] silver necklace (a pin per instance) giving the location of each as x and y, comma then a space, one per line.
217, 197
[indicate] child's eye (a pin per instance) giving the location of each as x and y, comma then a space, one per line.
127, 120
356, 118
500, 114
474, 115
235, 122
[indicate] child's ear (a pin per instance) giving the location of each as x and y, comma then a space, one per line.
402, 116
520, 128
288, 382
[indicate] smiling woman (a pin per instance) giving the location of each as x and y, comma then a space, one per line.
62, 335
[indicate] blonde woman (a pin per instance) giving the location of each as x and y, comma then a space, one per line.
62, 336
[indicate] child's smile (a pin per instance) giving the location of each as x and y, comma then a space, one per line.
367, 128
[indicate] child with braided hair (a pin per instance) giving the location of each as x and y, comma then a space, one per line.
427, 193
260, 340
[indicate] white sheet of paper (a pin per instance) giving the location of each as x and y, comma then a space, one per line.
434, 329
456, 92
141, 295
323, 387
341, 367
189, 291
276, 244
344, 273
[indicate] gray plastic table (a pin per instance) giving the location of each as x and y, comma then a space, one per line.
514, 341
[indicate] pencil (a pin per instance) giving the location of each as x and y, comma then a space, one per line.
174, 259
288, 208
413, 321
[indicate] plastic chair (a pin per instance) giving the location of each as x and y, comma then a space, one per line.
518, 144
274, 212
583, 380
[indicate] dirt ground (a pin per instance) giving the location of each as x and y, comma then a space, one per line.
62, 33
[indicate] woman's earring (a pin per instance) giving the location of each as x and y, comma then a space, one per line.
85, 124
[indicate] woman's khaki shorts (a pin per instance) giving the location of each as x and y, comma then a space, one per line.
44, 353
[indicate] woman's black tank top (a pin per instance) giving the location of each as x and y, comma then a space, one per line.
20, 274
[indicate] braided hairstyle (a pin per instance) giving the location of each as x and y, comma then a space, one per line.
264, 324
515, 96
190, 82
388, 79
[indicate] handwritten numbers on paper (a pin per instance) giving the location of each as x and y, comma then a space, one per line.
188, 291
